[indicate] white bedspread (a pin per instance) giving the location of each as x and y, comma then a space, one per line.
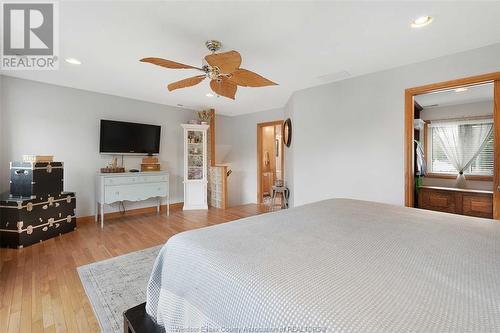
335, 266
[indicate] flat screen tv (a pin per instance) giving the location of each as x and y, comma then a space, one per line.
118, 137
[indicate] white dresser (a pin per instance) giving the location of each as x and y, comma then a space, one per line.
130, 186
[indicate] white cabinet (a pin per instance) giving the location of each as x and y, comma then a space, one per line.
195, 166
137, 186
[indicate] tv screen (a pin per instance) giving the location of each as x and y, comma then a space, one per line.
129, 138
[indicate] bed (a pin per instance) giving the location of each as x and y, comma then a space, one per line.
333, 266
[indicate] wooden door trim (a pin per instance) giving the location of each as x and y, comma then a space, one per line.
409, 170
212, 137
468, 81
409, 115
259, 155
496, 150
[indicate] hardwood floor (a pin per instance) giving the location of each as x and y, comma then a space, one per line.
40, 290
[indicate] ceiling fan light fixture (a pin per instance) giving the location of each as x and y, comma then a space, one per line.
222, 69
421, 21
213, 45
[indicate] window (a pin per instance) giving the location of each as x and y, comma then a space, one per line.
466, 144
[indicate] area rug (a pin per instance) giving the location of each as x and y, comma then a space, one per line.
117, 284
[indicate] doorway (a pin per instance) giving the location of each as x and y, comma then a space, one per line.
443, 170
270, 158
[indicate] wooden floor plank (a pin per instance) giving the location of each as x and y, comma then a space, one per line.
14, 322
25, 324
40, 290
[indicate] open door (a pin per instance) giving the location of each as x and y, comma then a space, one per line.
492, 174
270, 158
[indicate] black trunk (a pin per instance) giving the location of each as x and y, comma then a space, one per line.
25, 221
39, 180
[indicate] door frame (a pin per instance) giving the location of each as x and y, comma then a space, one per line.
410, 113
259, 155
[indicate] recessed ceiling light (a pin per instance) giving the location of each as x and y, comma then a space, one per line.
421, 22
461, 89
73, 61
209, 95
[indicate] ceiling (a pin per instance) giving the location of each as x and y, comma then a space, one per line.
473, 94
296, 44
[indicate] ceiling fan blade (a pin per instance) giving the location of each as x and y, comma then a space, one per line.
224, 88
246, 78
227, 62
190, 81
168, 63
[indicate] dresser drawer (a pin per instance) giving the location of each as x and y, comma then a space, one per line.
120, 180
134, 192
135, 180
154, 179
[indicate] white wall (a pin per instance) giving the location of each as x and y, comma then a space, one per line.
348, 136
41, 118
239, 135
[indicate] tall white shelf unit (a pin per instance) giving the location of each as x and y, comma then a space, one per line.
195, 166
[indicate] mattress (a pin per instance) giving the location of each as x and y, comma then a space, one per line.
333, 266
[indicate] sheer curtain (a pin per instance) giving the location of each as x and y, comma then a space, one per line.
462, 142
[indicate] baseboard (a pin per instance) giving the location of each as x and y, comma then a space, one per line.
131, 212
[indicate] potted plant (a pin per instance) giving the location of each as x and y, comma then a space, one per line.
204, 117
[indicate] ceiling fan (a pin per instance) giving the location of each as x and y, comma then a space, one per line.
223, 69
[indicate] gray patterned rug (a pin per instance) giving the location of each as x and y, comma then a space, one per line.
117, 284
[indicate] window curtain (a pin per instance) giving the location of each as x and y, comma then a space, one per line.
420, 159
462, 142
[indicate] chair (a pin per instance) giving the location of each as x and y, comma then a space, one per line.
279, 187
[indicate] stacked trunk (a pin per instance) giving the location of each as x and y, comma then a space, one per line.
36, 208
150, 164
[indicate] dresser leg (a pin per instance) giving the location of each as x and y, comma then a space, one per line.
102, 216
96, 211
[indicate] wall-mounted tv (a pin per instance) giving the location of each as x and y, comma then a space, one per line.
118, 137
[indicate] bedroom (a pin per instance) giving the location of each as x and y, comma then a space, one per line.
341, 80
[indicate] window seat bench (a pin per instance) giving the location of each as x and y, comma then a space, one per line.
469, 202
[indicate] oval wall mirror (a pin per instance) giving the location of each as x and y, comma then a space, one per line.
287, 132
